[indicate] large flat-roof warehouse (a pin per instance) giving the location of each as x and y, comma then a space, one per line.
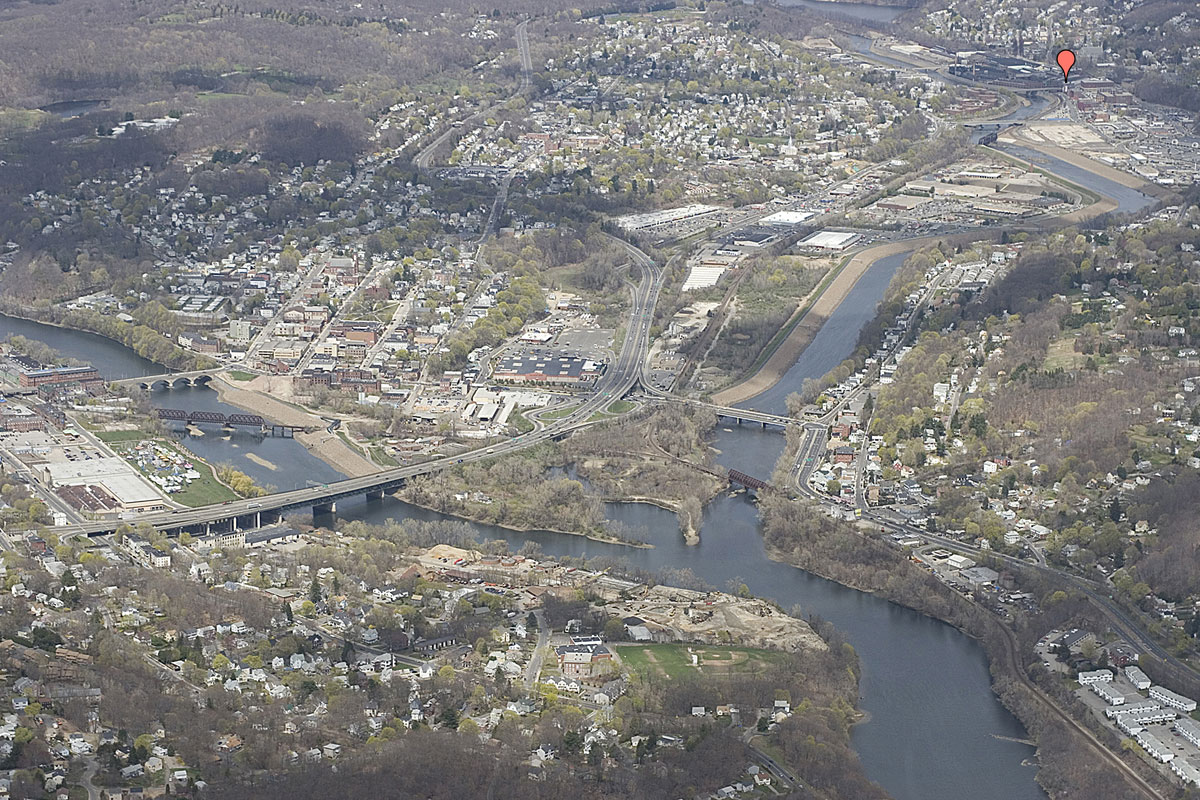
830, 240
113, 474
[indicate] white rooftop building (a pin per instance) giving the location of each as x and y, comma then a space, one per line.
1094, 676
1132, 723
830, 240
1189, 729
114, 474
1108, 693
1131, 708
1172, 700
787, 218
1186, 771
1139, 679
1151, 744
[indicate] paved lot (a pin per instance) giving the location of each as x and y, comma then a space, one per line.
593, 343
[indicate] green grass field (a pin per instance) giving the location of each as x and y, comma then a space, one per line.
239, 375
122, 436
618, 407
673, 660
558, 413
205, 490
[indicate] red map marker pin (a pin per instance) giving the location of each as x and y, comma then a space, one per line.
1066, 60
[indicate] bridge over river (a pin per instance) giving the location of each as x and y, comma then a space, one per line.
323, 498
230, 421
170, 380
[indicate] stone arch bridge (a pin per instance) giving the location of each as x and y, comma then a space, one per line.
170, 380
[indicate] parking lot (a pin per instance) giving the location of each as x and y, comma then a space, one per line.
593, 343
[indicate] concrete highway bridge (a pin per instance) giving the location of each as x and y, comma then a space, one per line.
738, 415
251, 513
620, 378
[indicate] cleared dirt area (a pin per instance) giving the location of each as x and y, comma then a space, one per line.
1081, 161
715, 618
328, 447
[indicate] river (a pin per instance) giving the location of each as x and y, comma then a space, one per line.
934, 729
279, 462
866, 13
933, 723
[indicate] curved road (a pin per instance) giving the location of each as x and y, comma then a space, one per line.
424, 159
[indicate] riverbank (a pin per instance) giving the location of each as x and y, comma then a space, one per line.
807, 320
1021, 137
1059, 739
816, 314
329, 447
164, 353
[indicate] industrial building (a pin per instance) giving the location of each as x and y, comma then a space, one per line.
17, 417
787, 218
1072, 640
114, 475
27, 373
655, 219
980, 576
547, 369
959, 562
834, 241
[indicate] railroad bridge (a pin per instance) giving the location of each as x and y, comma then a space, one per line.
749, 481
229, 421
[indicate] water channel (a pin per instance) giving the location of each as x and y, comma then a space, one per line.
282, 463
